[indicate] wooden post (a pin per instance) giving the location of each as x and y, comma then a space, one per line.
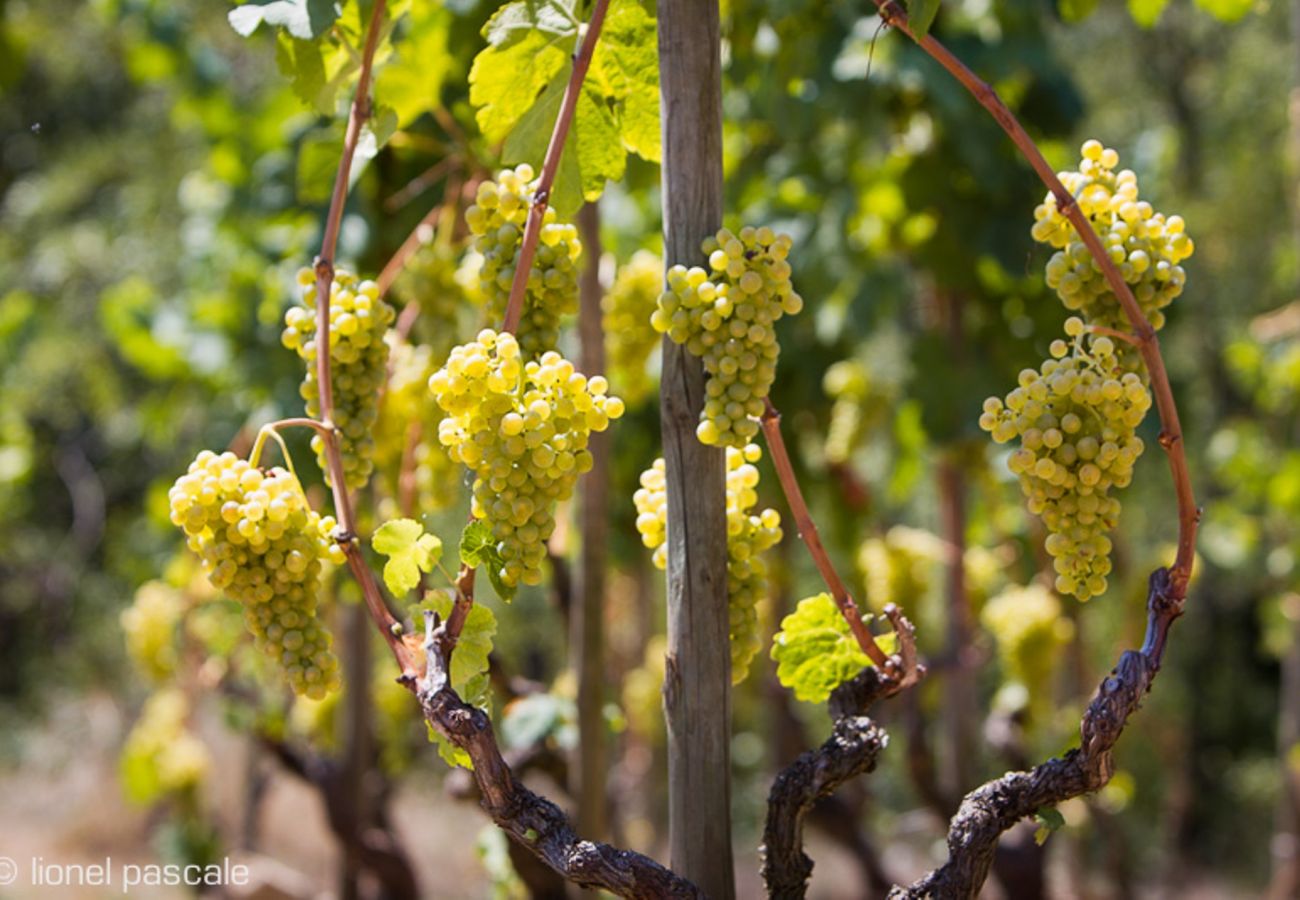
697, 683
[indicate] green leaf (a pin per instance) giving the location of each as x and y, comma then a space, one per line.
534, 719
1226, 10
920, 15
409, 550
1146, 12
505, 81
469, 666
1049, 819
478, 547
1076, 10
302, 19
411, 84
814, 651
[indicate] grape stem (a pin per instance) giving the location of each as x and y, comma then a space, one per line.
1115, 333
551, 165
1171, 435
771, 423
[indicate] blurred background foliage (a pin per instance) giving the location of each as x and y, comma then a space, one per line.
161, 180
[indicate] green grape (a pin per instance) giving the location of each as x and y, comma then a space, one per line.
161, 757
150, 624
263, 545
436, 280
749, 534
1027, 625
497, 220
411, 464
629, 338
1076, 419
1146, 246
358, 365
522, 428
898, 568
858, 406
728, 320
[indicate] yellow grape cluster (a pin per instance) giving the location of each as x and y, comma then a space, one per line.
150, 625
859, 405
263, 546
1146, 246
358, 364
522, 429
436, 280
898, 567
1076, 419
1029, 629
629, 338
497, 219
727, 317
749, 534
411, 462
161, 757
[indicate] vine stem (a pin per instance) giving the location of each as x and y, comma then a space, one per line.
1171, 435
771, 423
551, 165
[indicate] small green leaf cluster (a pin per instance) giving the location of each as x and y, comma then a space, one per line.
815, 652
749, 534
1146, 246
522, 428
161, 757
409, 550
727, 317
497, 220
629, 338
469, 666
263, 545
1076, 418
358, 365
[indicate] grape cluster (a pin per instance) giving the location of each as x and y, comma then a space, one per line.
358, 364
727, 318
749, 533
263, 545
899, 567
1146, 246
497, 219
161, 757
406, 437
859, 405
435, 279
629, 338
522, 428
150, 624
1076, 419
1027, 625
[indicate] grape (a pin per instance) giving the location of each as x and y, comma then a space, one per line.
1027, 625
749, 534
150, 626
497, 220
522, 429
859, 405
1076, 419
160, 755
358, 365
436, 280
263, 545
1146, 246
729, 323
898, 567
408, 423
629, 338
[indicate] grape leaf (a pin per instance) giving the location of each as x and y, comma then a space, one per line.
478, 547
409, 550
815, 652
1049, 819
302, 19
469, 667
518, 81
920, 16
1076, 10
412, 83
537, 718
1226, 10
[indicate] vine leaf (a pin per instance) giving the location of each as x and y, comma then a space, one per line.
920, 16
815, 652
1049, 819
469, 667
409, 550
478, 547
518, 82
302, 19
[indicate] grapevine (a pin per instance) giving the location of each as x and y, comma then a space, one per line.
727, 318
263, 545
358, 362
522, 428
629, 338
749, 534
497, 220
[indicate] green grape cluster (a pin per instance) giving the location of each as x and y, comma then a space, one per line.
358, 364
1029, 630
727, 317
1076, 419
629, 338
899, 567
410, 461
859, 405
497, 219
522, 428
749, 534
150, 624
435, 280
1146, 246
262, 544
161, 757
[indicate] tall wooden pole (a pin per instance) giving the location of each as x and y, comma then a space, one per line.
697, 683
